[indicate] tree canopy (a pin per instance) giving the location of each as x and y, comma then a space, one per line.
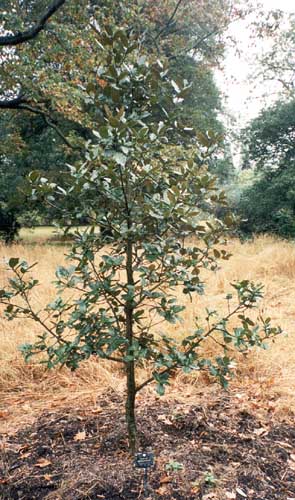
269, 139
269, 204
31, 32
148, 191
277, 30
50, 84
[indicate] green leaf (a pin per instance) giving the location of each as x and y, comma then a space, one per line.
160, 388
13, 262
120, 158
34, 176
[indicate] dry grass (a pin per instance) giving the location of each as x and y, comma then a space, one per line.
265, 378
42, 234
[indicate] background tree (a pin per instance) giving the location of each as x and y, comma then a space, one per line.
269, 204
268, 142
63, 45
125, 292
277, 64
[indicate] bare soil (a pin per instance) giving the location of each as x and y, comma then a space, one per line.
215, 451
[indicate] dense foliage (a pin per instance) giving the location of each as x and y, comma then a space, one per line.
9, 226
269, 204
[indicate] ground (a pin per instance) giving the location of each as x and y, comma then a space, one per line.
213, 450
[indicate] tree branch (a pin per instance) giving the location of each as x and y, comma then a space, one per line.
169, 20
48, 120
25, 36
175, 366
13, 103
21, 103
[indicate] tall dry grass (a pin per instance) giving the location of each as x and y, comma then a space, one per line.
266, 376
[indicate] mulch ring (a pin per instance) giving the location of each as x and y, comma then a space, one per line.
215, 452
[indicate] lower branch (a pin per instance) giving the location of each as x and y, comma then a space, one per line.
48, 120
21, 103
13, 103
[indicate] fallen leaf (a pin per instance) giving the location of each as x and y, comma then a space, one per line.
47, 477
292, 456
230, 495
164, 419
22, 448
25, 455
165, 479
161, 491
240, 396
195, 489
260, 432
241, 492
80, 436
43, 462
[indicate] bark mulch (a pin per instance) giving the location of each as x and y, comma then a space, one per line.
215, 452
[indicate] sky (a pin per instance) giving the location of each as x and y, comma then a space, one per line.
287, 5
244, 102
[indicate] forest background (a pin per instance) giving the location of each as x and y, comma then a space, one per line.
48, 88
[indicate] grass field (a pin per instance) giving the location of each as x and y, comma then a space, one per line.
265, 379
42, 234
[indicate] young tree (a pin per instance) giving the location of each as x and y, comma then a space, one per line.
125, 278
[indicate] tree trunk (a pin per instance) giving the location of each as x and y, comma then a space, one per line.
130, 408
130, 368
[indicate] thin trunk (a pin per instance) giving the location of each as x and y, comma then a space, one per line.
130, 408
130, 368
